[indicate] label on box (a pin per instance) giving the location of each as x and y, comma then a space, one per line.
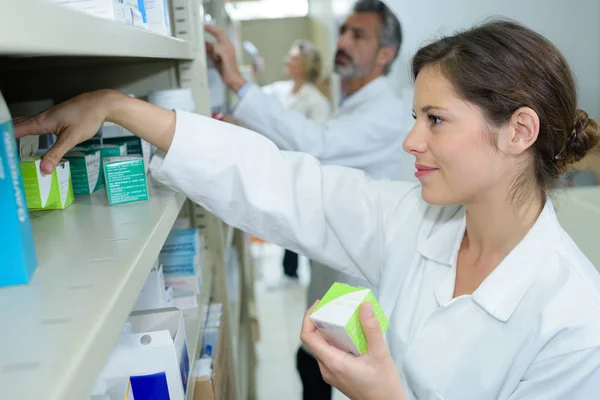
337, 317
184, 367
65, 186
125, 180
110, 150
85, 171
41, 190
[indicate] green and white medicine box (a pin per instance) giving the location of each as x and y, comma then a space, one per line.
47, 192
85, 170
110, 150
125, 179
337, 317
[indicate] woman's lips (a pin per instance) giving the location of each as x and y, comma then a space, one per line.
424, 170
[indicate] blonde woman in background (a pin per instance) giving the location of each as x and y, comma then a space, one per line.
299, 93
303, 67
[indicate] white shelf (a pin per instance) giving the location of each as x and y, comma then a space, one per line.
58, 331
32, 27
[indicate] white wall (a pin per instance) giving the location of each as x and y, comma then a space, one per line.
573, 26
273, 38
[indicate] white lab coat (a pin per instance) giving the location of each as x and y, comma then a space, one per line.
530, 331
366, 132
308, 101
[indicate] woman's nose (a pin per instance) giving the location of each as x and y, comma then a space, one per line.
415, 141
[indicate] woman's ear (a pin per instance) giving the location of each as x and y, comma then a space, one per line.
521, 132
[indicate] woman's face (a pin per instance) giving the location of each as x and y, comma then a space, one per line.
456, 160
294, 64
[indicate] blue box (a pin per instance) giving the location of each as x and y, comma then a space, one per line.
17, 249
182, 242
182, 265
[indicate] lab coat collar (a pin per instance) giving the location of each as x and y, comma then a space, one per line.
502, 291
443, 245
371, 91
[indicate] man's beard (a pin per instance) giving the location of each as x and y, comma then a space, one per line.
349, 70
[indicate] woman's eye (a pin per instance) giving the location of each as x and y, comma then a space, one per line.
435, 120
414, 115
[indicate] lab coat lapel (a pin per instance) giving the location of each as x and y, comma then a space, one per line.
373, 90
502, 291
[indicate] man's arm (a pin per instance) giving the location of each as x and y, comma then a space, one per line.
357, 142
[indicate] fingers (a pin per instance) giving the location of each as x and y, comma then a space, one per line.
307, 324
30, 126
210, 47
65, 142
375, 343
323, 351
216, 32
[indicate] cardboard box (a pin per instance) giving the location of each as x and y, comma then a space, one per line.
19, 259
113, 389
182, 273
181, 242
47, 192
109, 9
337, 317
86, 173
154, 294
111, 133
40, 189
218, 385
65, 186
125, 179
155, 354
156, 16
110, 150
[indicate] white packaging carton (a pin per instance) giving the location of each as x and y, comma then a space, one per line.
113, 389
337, 317
154, 294
108, 9
155, 14
155, 354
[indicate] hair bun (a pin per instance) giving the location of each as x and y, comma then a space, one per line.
584, 137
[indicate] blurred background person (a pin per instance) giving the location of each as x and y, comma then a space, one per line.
299, 93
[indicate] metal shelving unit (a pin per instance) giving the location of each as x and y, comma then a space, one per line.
59, 330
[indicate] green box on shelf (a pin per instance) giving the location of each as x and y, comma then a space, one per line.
86, 170
46, 192
125, 179
111, 133
110, 150
337, 317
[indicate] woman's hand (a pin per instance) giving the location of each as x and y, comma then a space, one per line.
73, 122
78, 119
372, 376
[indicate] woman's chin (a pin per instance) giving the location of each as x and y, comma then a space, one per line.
437, 197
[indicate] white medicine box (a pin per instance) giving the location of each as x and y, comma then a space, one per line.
154, 356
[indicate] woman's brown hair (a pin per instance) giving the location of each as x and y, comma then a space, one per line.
502, 66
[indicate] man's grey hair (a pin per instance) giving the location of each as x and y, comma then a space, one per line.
391, 33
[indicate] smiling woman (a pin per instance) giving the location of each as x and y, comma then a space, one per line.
488, 297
